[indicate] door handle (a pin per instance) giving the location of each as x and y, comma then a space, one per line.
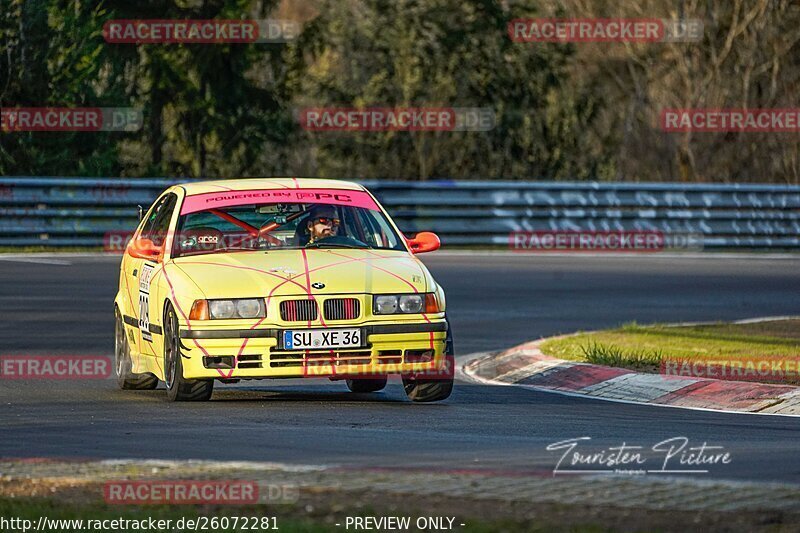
134, 272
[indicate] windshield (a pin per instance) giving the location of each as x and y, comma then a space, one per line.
268, 226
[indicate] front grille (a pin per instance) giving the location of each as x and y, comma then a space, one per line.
321, 358
390, 357
248, 361
299, 310
342, 309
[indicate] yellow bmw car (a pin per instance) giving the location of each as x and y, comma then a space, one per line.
278, 278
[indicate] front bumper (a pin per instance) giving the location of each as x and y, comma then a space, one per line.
393, 348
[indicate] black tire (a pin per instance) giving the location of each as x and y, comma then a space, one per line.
436, 389
123, 365
180, 389
366, 385
428, 390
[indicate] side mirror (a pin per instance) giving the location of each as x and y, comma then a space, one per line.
145, 249
424, 241
141, 212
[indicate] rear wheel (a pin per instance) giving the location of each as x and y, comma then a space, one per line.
366, 385
180, 389
123, 366
437, 388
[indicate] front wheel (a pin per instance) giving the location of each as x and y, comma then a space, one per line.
428, 390
436, 388
180, 389
123, 366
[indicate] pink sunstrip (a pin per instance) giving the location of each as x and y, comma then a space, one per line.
215, 200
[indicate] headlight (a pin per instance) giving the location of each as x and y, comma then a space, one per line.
249, 308
222, 308
227, 309
391, 304
385, 305
411, 303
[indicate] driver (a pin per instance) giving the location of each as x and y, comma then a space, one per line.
323, 222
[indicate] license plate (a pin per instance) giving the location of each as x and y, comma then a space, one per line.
320, 339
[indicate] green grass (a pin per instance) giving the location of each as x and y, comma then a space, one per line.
611, 355
644, 347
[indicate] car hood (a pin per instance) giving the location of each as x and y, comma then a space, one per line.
298, 272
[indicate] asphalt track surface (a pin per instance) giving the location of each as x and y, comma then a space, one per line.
63, 306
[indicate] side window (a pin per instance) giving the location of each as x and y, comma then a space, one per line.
150, 216
158, 219
380, 233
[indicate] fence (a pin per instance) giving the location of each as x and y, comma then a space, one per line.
78, 212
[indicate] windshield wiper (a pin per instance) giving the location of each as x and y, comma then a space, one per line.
335, 245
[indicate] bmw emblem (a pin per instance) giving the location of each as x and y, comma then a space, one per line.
318, 285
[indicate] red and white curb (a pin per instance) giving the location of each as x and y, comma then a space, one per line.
527, 366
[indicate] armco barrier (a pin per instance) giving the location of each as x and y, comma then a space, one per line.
78, 212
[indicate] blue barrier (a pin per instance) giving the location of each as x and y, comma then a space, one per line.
56, 211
